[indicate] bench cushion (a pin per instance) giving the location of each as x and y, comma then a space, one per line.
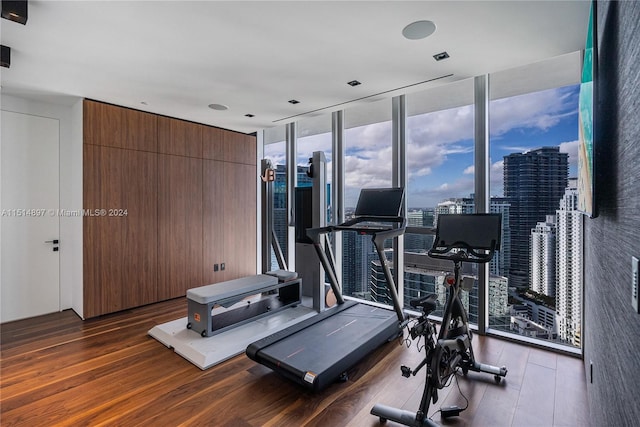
231, 288
283, 275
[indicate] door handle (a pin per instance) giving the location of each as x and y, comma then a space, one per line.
55, 242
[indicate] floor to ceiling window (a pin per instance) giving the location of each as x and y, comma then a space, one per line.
367, 164
313, 134
275, 151
440, 168
533, 149
534, 288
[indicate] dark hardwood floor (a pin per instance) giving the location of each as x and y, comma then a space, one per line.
59, 370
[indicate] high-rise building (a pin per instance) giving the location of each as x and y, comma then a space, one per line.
419, 242
460, 205
499, 264
358, 253
569, 266
534, 183
543, 257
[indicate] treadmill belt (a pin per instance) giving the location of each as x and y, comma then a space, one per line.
318, 354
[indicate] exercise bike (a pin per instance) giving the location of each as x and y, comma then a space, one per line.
459, 238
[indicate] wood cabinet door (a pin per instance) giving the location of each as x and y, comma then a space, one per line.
179, 137
213, 225
228, 146
213, 143
239, 148
113, 126
179, 225
120, 229
239, 194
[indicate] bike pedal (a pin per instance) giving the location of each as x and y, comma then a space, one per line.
406, 371
450, 411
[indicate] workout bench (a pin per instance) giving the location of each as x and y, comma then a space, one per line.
221, 306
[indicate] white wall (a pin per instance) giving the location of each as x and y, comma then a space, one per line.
70, 118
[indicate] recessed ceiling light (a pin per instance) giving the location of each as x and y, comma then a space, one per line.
249, 115
293, 101
15, 11
354, 83
440, 56
5, 53
218, 107
419, 30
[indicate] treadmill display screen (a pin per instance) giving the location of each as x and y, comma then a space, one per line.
380, 202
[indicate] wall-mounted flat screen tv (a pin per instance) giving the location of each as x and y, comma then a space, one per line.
586, 151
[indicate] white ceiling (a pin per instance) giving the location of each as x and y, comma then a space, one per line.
178, 56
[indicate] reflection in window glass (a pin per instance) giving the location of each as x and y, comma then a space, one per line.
534, 140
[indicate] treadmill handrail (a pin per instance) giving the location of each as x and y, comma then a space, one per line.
397, 228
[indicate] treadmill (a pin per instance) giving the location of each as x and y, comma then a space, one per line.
318, 351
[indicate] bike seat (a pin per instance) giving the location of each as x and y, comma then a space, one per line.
427, 303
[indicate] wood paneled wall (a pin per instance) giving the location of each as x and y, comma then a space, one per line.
176, 197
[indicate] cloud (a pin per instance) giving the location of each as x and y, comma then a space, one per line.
469, 170
372, 171
276, 153
571, 148
307, 145
496, 178
538, 110
442, 127
462, 187
432, 137
496, 171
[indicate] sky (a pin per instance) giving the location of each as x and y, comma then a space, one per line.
440, 146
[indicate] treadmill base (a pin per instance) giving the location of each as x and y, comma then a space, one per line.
210, 351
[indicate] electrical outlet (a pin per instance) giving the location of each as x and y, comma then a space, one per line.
634, 284
222, 266
215, 267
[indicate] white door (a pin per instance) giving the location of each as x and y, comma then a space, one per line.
30, 282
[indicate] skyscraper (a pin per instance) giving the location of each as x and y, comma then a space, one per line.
569, 267
543, 257
534, 183
499, 264
358, 253
419, 242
